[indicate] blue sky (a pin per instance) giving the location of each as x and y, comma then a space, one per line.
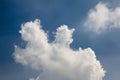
53, 14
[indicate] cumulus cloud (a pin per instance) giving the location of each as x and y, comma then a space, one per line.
102, 17
56, 60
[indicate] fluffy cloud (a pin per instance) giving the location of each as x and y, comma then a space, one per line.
102, 17
56, 60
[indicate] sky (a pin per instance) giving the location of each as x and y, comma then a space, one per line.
85, 32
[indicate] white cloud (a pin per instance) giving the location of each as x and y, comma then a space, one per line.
56, 59
102, 17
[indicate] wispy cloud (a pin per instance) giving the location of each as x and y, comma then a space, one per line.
56, 60
102, 17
